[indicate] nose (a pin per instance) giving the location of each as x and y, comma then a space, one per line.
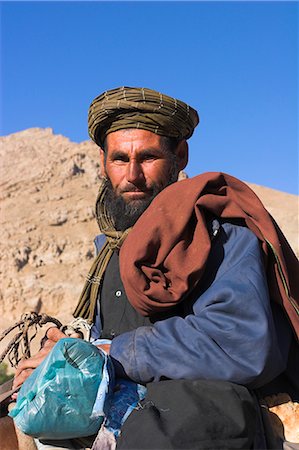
134, 172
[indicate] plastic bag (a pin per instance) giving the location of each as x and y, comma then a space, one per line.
68, 394
125, 399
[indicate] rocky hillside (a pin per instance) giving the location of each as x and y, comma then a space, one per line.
48, 190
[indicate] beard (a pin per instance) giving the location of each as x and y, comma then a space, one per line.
125, 214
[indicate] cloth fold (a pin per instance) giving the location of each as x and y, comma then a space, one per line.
143, 108
164, 256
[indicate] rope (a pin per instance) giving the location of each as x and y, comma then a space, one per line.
19, 346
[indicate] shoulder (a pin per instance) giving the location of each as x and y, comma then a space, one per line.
236, 248
234, 235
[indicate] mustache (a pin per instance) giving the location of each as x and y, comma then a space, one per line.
123, 214
135, 189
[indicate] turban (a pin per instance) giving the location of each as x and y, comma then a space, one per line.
130, 107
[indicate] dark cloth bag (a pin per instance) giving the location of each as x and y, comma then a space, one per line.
185, 414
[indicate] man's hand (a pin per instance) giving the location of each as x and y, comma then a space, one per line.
26, 367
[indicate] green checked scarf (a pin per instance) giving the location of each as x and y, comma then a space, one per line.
88, 299
143, 108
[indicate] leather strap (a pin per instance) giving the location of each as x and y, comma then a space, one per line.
6, 390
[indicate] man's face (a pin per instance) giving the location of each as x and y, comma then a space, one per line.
138, 167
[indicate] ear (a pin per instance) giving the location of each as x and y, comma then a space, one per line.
182, 154
102, 162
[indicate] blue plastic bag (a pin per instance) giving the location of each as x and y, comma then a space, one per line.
68, 394
125, 399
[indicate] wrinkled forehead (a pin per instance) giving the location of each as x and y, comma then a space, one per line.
127, 138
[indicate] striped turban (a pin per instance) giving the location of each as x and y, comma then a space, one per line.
130, 107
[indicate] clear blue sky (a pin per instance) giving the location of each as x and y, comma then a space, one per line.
235, 62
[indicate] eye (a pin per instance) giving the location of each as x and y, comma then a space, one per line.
149, 156
119, 157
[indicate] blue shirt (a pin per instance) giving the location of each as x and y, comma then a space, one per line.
226, 329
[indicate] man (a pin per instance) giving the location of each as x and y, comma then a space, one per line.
183, 296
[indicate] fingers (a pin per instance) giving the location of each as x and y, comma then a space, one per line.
19, 380
54, 334
26, 366
76, 335
33, 362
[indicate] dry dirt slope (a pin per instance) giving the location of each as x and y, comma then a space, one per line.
48, 189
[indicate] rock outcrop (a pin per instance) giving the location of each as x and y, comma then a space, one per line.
48, 189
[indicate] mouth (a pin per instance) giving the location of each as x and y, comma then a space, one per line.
135, 195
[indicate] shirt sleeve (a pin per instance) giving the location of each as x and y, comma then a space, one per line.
229, 335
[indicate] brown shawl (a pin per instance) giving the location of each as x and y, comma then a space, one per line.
164, 256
